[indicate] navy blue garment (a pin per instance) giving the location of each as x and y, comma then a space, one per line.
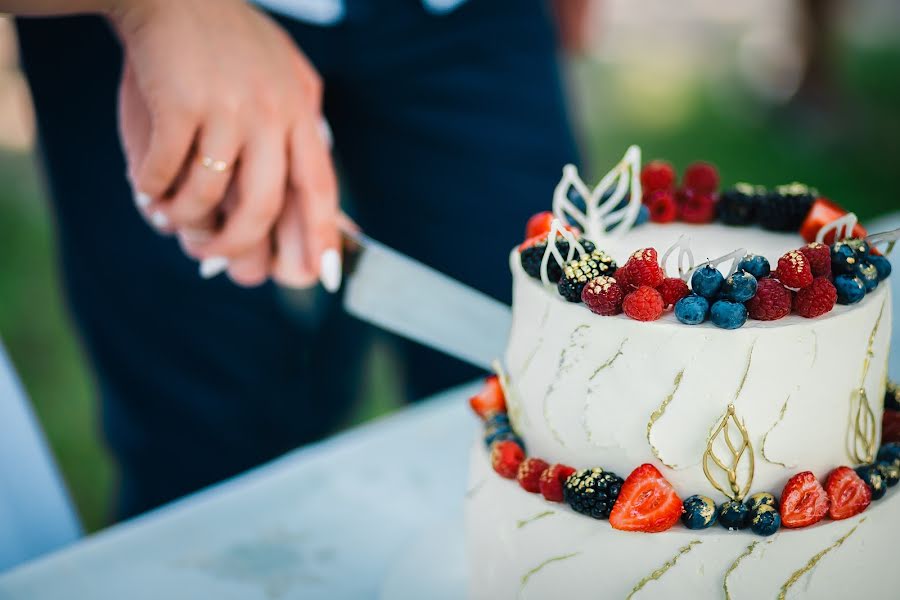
449, 132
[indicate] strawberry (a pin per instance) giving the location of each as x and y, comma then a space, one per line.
803, 501
552, 481
643, 268
657, 175
847, 492
662, 206
701, 177
529, 474
538, 224
646, 503
490, 399
823, 212
506, 456
794, 270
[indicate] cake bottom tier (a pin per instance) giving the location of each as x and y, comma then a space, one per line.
522, 546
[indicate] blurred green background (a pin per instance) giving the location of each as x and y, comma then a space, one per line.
767, 92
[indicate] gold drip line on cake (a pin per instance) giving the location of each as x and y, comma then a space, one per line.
863, 427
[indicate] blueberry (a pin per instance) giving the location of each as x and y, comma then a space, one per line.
882, 265
860, 246
872, 476
890, 452
739, 287
707, 281
643, 215
501, 435
843, 259
756, 265
850, 289
868, 274
734, 515
890, 472
692, 309
699, 512
727, 314
761, 499
765, 521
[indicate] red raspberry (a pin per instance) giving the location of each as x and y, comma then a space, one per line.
672, 289
603, 296
794, 270
489, 400
643, 304
701, 177
772, 301
553, 480
819, 257
538, 224
529, 474
623, 279
643, 268
815, 299
697, 207
506, 456
662, 206
657, 175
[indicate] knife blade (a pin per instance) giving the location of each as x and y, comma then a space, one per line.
404, 296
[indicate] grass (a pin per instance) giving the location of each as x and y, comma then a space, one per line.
849, 159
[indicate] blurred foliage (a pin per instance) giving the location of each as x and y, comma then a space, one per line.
850, 158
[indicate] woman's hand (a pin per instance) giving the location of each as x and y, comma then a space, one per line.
216, 103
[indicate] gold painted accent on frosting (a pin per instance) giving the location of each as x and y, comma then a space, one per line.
815, 349
657, 414
523, 522
528, 575
735, 491
734, 566
527, 362
609, 362
746, 370
658, 573
561, 368
862, 429
475, 488
814, 561
766, 436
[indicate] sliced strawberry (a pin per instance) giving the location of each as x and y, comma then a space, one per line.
823, 212
646, 503
506, 456
538, 224
847, 492
529, 474
552, 481
803, 501
490, 399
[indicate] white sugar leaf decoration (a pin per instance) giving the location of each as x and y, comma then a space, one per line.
842, 228
735, 257
558, 230
683, 245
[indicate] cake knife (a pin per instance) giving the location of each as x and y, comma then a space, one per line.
399, 294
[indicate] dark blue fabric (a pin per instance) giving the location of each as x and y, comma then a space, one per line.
450, 131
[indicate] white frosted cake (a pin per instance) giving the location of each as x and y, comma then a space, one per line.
745, 435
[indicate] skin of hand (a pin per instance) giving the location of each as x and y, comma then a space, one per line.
217, 78
573, 20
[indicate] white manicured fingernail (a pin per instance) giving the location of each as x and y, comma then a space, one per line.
210, 267
142, 200
159, 220
330, 270
325, 132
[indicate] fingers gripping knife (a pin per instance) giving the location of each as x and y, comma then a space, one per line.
401, 295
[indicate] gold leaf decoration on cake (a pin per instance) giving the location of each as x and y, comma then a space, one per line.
657, 414
531, 572
570, 356
746, 370
658, 573
729, 467
766, 436
523, 522
734, 566
862, 429
795, 577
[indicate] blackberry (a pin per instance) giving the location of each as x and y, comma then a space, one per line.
785, 208
737, 205
577, 272
892, 396
532, 256
592, 492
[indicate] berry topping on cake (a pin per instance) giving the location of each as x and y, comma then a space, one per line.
552, 481
873, 478
603, 296
696, 206
692, 309
890, 452
803, 501
707, 281
657, 175
506, 456
756, 265
737, 205
771, 302
699, 512
868, 274
662, 206
734, 515
646, 503
815, 300
490, 399
765, 521
672, 289
847, 493
538, 224
850, 289
643, 304
786, 207
643, 268
892, 396
529, 474
727, 314
822, 213
497, 428
592, 492
794, 270
701, 177
532, 255
577, 272
882, 265
761, 499
890, 472
740, 286
819, 257
890, 426
843, 259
